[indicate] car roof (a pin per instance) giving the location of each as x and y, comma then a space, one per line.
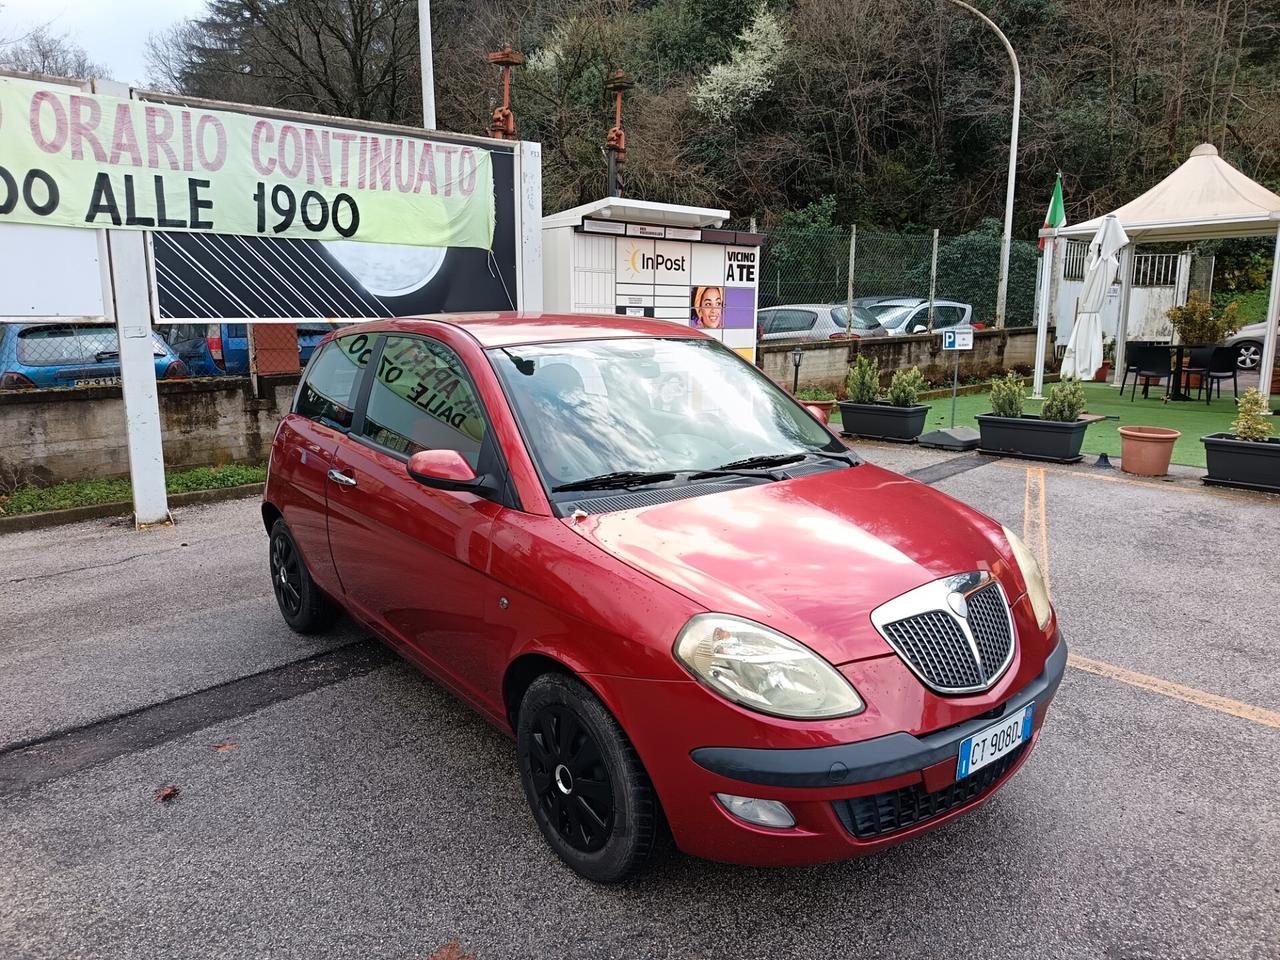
802, 306
508, 328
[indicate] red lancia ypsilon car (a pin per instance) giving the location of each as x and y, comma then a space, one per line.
689, 602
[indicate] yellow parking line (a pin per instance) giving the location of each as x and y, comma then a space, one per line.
1163, 486
1211, 701
1035, 532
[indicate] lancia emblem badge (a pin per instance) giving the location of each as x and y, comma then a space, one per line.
958, 605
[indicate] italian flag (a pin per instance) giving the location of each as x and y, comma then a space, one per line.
1057, 214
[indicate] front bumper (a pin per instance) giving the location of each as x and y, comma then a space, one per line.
848, 799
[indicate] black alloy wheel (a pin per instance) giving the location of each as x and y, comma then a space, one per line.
570, 779
587, 789
286, 574
303, 605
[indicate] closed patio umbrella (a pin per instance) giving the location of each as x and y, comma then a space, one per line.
1084, 348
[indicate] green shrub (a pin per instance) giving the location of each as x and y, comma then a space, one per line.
1251, 422
1065, 401
1006, 396
1196, 323
815, 395
905, 387
863, 382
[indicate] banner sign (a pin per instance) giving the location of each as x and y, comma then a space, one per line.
70, 158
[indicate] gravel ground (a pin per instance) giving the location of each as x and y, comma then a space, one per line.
375, 816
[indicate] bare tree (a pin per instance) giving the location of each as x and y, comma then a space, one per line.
55, 54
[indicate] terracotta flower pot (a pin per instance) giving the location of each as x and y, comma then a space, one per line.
821, 408
1145, 451
1104, 372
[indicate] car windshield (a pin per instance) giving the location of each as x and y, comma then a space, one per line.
863, 319
598, 407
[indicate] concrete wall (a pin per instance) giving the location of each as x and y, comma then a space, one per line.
49, 436
825, 363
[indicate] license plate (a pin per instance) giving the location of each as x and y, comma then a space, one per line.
98, 382
994, 742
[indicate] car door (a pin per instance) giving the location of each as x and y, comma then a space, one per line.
303, 451
413, 560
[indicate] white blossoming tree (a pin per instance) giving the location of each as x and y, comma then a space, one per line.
727, 90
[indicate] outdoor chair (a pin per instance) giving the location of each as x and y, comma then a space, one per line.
1130, 363
1198, 364
1151, 363
1222, 366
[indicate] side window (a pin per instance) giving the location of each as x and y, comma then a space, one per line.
328, 392
792, 321
767, 321
423, 399
945, 316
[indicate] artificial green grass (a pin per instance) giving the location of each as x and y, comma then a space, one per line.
86, 493
1193, 419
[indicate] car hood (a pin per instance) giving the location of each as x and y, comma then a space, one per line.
810, 557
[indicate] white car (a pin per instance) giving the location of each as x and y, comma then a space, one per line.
1247, 342
906, 315
816, 321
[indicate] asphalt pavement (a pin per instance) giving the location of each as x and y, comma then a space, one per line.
332, 802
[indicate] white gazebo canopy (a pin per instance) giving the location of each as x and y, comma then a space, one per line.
1206, 198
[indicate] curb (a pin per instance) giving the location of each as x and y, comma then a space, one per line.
54, 518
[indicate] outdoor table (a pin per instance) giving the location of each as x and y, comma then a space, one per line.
1175, 390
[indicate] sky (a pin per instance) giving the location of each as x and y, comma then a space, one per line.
114, 32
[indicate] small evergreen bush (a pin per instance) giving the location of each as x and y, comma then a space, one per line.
863, 382
1252, 421
1007, 395
905, 387
1065, 401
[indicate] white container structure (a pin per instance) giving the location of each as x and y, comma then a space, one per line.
661, 260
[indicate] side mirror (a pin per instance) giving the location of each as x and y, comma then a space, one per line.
442, 470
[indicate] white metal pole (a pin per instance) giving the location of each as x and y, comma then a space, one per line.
853, 249
1042, 317
1269, 339
933, 281
1002, 290
428, 71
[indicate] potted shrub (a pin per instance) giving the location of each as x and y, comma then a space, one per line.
901, 419
1108, 358
1248, 456
1054, 435
820, 399
1196, 325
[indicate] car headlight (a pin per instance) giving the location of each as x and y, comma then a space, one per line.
1032, 576
764, 670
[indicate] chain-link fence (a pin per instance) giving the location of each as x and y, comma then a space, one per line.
812, 267
53, 355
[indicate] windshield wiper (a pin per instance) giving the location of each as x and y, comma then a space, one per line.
619, 478
777, 460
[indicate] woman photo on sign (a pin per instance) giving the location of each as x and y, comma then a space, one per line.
708, 308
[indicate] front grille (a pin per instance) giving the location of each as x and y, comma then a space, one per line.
884, 813
935, 647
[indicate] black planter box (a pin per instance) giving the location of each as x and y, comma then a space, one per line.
882, 421
1242, 463
1032, 437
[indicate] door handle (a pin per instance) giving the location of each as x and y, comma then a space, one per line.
341, 478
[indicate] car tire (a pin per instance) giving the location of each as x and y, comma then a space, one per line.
304, 606
565, 740
1248, 355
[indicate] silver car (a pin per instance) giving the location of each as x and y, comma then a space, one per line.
816, 321
906, 315
1247, 342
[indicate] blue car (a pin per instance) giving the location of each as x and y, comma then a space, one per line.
222, 349
71, 355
